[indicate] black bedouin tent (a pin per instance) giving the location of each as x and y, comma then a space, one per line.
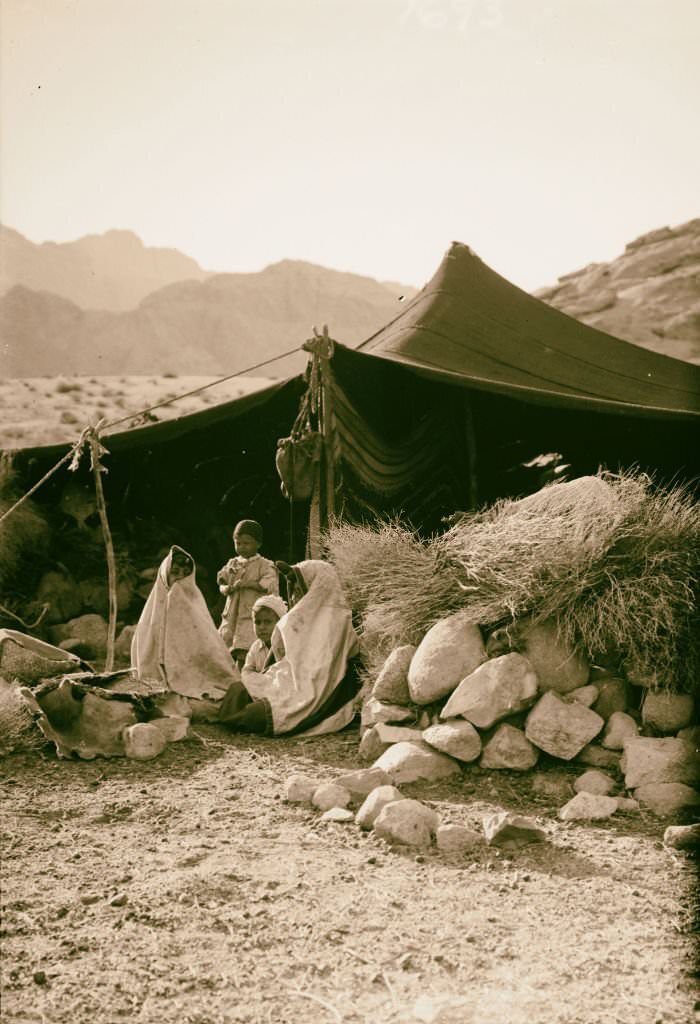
440, 410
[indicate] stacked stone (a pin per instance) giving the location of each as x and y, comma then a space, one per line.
454, 701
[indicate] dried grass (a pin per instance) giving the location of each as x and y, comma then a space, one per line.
613, 559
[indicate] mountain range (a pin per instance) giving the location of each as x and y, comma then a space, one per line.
109, 305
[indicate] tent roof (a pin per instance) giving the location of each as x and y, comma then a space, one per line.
470, 326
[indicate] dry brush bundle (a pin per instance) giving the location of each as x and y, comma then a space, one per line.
399, 584
613, 559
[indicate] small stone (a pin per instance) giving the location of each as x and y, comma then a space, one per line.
120, 900
143, 741
329, 795
39, 978
173, 727
619, 727
299, 789
508, 829
598, 757
457, 838
560, 728
373, 804
509, 748
667, 712
375, 711
667, 798
683, 837
612, 696
371, 747
89, 898
455, 737
360, 783
627, 803
553, 785
406, 822
340, 814
586, 695
392, 682
409, 762
398, 733
588, 807
594, 782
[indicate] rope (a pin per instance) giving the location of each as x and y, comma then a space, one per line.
69, 455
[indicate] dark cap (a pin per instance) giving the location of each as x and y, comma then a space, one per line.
250, 528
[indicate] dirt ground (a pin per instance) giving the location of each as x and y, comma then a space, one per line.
187, 890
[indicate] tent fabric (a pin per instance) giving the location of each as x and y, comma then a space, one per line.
470, 326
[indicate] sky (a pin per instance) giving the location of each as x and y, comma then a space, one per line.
363, 135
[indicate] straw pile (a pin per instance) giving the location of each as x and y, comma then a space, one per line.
612, 559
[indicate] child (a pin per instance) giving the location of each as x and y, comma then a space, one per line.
267, 611
242, 580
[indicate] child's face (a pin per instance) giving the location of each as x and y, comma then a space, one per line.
245, 545
264, 621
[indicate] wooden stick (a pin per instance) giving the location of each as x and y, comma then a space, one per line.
95, 449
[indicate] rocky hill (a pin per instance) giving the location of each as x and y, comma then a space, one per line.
219, 325
112, 271
649, 295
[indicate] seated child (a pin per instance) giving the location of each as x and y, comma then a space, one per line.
267, 611
242, 580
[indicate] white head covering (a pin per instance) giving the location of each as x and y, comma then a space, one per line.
273, 602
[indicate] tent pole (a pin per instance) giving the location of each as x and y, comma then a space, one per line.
470, 434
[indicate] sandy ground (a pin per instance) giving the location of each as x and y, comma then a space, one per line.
187, 890
48, 410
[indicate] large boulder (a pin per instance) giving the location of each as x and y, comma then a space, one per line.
509, 748
449, 651
667, 712
91, 630
497, 688
392, 682
62, 594
648, 759
558, 667
561, 728
406, 822
455, 737
411, 762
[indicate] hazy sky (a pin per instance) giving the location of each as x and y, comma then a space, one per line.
364, 135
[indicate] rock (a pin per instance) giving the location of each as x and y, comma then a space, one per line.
691, 735
120, 900
627, 803
666, 798
618, 728
95, 595
588, 807
648, 759
375, 711
598, 757
612, 696
509, 748
122, 647
143, 741
556, 666
457, 838
409, 762
497, 688
371, 746
392, 682
299, 789
90, 630
61, 593
586, 695
683, 837
173, 727
363, 781
407, 822
455, 737
341, 814
507, 829
399, 733
594, 782
28, 660
373, 804
560, 728
449, 651
667, 712
80, 724
328, 795
169, 703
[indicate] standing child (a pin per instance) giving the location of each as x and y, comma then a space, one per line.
243, 580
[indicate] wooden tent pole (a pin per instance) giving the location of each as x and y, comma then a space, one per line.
327, 423
96, 450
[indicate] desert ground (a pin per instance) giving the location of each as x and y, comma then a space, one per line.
49, 410
186, 889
